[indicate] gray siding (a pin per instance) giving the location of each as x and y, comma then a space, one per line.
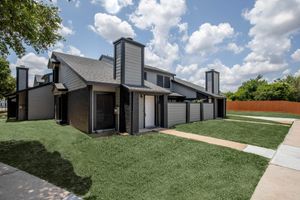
185, 91
194, 112
41, 103
151, 77
216, 83
118, 61
209, 82
22, 82
133, 64
208, 111
176, 113
71, 80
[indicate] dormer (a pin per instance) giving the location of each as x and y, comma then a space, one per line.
129, 62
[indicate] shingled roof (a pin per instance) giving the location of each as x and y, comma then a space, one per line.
199, 88
90, 70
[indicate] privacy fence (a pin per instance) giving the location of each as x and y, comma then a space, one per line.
268, 106
180, 113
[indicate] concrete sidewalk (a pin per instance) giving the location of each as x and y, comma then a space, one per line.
16, 185
282, 177
275, 119
261, 151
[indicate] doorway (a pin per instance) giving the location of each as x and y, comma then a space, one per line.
104, 112
149, 111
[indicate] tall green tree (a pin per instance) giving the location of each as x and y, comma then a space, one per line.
274, 91
248, 89
7, 82
25, 23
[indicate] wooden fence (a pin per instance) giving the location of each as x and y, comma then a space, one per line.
268, 106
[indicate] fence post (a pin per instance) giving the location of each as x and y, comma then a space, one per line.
188, 112
201, 111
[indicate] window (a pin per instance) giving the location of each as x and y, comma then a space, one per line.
167, 82
160, 80
145, 75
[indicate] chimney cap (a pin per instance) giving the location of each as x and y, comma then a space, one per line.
128, 40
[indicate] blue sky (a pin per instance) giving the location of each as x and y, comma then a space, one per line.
239, 38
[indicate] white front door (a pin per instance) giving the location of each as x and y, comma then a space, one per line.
149, 111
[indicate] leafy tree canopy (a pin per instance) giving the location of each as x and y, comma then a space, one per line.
7, 82
259, 89
27, 22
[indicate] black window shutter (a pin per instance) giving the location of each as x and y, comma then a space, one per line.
160, 80
167, 82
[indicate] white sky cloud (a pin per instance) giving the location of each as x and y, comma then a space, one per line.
112, 6
65, 31
111, 27
234, 48
159, 17
205, 39
36, 64
296, 55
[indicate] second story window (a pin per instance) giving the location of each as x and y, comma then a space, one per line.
145, 75
167, 82
160, 80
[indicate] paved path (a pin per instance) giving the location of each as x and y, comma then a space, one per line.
254, 122
281, 179
16, 185
268, 153
275, 119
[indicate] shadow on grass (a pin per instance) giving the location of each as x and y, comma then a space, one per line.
33, 157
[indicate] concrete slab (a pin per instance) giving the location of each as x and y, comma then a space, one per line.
278, 183
253, 122
287, 156
293, 136
275, 119
210, 140
267, 153
16, 184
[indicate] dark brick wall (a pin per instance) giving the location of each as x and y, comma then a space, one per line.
78, 109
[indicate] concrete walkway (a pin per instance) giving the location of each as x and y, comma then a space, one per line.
281, 179
16, 184
275, 119
267, 153
254, 122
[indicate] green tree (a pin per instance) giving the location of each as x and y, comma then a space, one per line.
294, 82
248, 89
274, 91
7, 82
25, 23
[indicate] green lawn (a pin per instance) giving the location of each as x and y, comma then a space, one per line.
151, 166
265, 114
269, 136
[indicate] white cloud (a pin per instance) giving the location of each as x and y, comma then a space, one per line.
159, 17
297, 73
296, 55
36, 64
274, 23
65, 31
183, 27
112, 6
234, 48
111, 27
186, 70
74, 51
207, 37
